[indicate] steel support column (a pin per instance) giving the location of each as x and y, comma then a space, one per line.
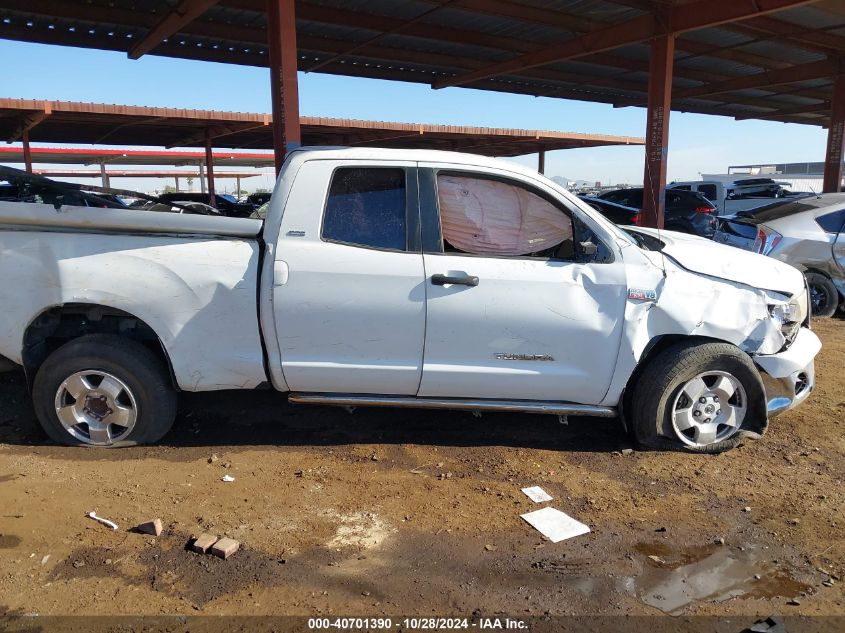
657, 129
27, 152
541, 161
281, 40
104, 176
835, 139
202, 179
209, 171
176, 178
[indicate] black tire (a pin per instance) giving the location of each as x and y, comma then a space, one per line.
665, 375
824, 298
136, 366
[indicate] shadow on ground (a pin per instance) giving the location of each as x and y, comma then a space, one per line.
262, 418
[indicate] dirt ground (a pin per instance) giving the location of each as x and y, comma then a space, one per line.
411, 512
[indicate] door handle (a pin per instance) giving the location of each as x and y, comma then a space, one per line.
464, 280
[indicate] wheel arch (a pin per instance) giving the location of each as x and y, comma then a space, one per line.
653, 349
61, 323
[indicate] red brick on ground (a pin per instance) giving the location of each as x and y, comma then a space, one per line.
225, 547
203, 542
150, 527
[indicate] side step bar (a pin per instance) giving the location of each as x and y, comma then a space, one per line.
523, 406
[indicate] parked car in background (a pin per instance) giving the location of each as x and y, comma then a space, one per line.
226, 204
808, 233
740, 195
44, 190
686, 211
181, 206
259, 198
617, 213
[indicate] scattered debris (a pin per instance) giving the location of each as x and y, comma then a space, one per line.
661, 529
213, 458
554, 524
150, 527
228, 478
225, 547
657, 559
490, 548
44, 559
78, 563
769, 625
747, 509
203, 542
793, 602
627, 451
794, 521
106, 522
537, 494
365, 593
719, 541
417, 471
227, 465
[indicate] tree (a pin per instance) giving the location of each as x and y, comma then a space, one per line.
169, 189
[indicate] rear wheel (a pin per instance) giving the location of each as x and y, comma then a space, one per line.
824, 298
700, 397
104, 390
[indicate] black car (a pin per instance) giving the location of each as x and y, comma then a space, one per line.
686, 211
616, 213
226, 204
259, 198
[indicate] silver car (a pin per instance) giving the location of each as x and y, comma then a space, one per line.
808, 233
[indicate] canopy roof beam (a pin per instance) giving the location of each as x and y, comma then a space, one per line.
674, 19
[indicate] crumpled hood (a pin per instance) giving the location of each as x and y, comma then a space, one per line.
727, 262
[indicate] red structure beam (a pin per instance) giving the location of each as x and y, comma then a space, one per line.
835, 139
185, 12
209, 172
803, 72
661, 62
27, 152
675, 19
281, 39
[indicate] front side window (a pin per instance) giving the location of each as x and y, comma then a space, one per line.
366, 207
482, 216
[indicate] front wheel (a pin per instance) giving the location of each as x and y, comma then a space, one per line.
700, 397
104, 390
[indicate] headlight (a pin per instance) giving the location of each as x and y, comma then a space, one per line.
789, 316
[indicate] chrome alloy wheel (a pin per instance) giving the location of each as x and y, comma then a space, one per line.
708, 409
96, 407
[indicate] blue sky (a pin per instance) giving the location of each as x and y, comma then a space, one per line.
698, 143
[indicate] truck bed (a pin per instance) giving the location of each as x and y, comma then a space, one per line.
192, 279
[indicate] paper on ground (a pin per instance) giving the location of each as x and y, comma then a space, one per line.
537, 494
555, 525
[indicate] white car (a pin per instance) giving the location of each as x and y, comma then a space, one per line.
808, 233
399, 278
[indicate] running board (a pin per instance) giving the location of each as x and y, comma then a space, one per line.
521, 406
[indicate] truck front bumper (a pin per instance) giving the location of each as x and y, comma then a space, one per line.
789, 377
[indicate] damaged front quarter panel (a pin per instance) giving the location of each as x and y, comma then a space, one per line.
667, 299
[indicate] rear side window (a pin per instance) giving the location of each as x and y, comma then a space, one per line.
482, 216
366, 207
832, 222
708, 191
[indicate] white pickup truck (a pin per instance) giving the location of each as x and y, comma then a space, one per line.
399, 278
740, 195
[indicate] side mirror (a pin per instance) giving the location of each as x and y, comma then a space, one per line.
58, 201
588, 248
